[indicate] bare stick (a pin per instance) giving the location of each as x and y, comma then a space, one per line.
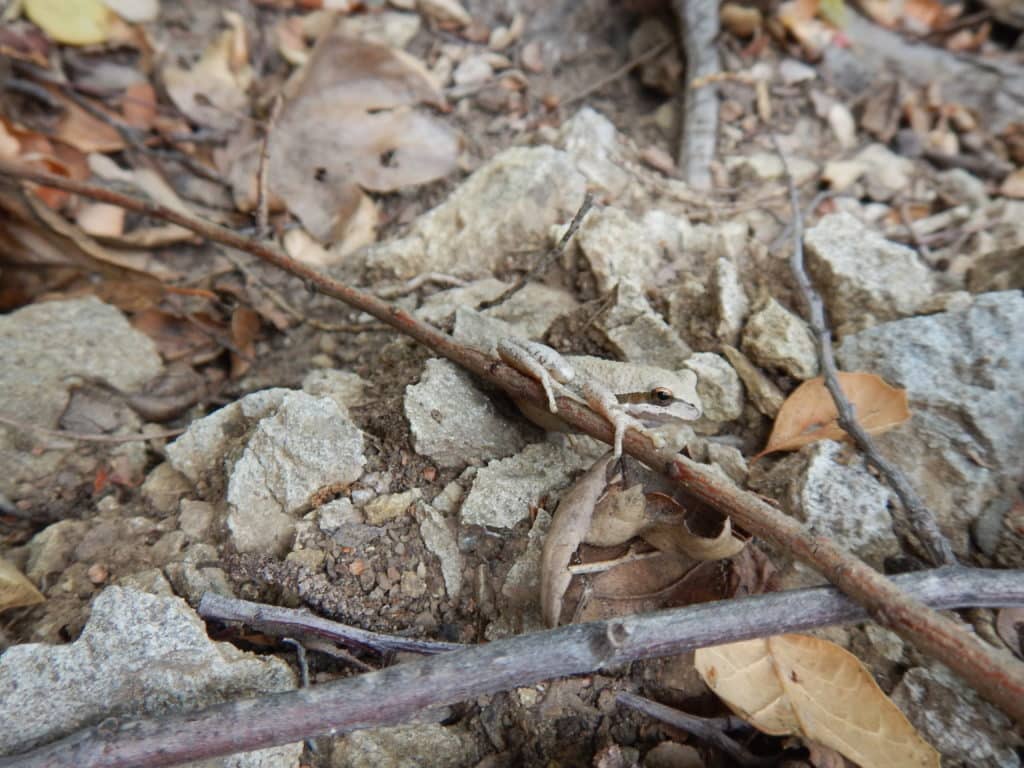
542, 264
263, 172
921, 518
87, 437
394, 694
701, 727
275, 620
996, 675
698, 26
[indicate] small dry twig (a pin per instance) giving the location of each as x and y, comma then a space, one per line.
542, 264
274, 620
704, 729
921, 518
86, 437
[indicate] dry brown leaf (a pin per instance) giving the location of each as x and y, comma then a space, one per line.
800, 685
84, 132
568, 527
800, 18
81, 22
16, 591
138, 105
213, 92
349, 122
619, 516
101, 219
245, 329
809, 413
1013, 185
671, 530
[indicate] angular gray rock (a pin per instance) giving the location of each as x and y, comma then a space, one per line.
777, 338
405, 746
955, 720
863, 277
508, 204
44, 347
719, 387
504, 491
139, 655
617, 247
268, 453
453, 422
962, 371
306, 445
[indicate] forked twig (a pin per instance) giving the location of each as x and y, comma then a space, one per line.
921, 518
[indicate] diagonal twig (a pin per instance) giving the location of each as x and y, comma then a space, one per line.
996, 675
394, 694
700, 727
921, 518
276, 620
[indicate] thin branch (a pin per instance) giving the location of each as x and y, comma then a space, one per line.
698, 27
701, 727
997, 676
542, 264
921, 518
393, 695
87, 437
643, 58
274, 620
263, 173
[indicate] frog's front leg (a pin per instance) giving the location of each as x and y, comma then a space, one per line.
603, 401
538, 361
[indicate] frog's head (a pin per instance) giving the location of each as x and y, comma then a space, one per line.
667, 398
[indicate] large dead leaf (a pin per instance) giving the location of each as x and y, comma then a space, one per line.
800, 685
809, 414
349, 121
213, 92
16, 591
568, 527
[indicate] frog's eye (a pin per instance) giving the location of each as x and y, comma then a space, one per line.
661, 396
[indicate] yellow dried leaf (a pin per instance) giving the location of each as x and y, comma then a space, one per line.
809, 414
73, 22
800, 685
16, 591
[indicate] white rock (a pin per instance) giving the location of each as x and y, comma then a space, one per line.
305, 445
438, 533
638, 334
507, 205
792, 72
731, 302
777, 338
345, 388
592, 142
861, 275
617, 247
139, 655
390, 506
504, 491
473, 71
767, 166
719, 387
887, 173
405, 746
956, 721
962, 372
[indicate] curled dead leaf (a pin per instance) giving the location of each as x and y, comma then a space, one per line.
16, 591
809, 413
568, 527
800, 685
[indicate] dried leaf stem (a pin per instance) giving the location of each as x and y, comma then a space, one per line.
394, 694
921, 518
995, 675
